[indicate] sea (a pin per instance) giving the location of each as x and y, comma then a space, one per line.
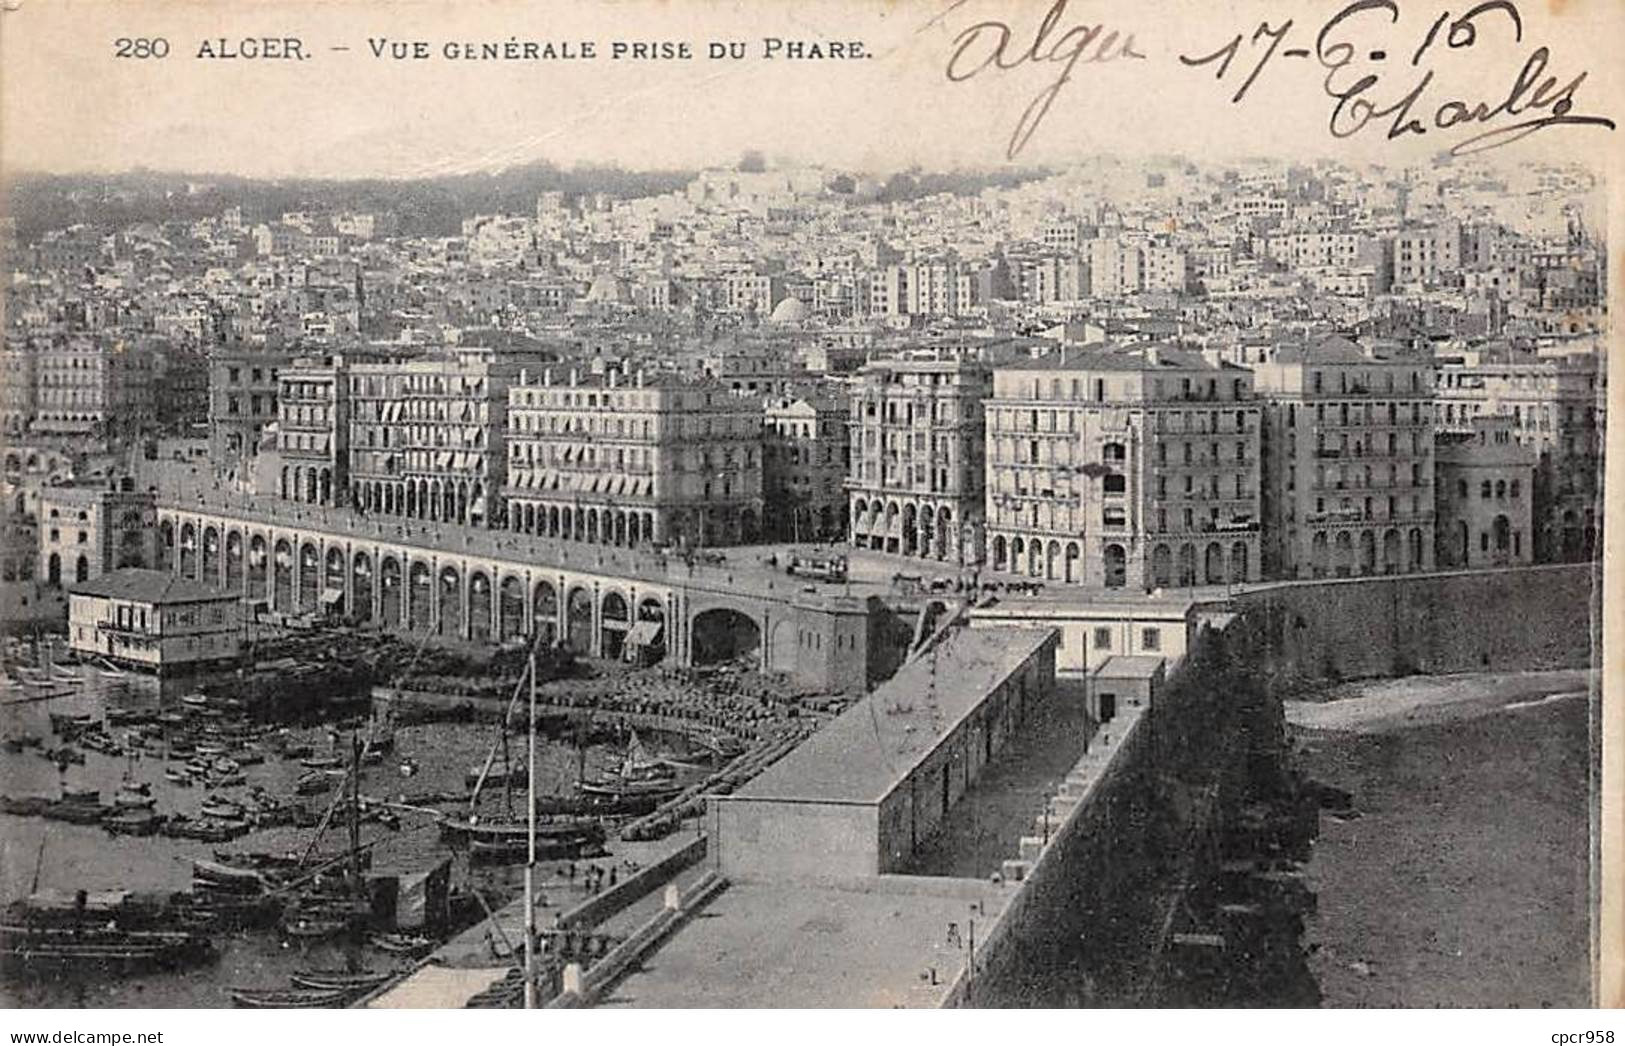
53, 855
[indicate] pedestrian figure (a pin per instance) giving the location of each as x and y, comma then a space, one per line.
954, 940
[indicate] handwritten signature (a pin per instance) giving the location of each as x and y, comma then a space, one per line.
988, 45
1363, 93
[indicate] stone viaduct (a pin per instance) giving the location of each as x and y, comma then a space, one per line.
490, 585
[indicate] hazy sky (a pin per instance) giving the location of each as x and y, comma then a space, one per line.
67, 103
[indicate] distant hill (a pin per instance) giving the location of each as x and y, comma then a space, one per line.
426, 207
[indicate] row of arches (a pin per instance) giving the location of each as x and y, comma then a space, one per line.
624, 528
1349, 554
296, 577
905, 528
1169, 565
307, 483
438, 501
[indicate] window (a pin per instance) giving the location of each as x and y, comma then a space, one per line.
1151, 639
1103, 639
1484, 490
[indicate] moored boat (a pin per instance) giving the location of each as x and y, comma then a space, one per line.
340, 980
133, 822
288, 998
225, 876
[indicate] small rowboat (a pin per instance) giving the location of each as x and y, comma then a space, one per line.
288, 998
340, 980
402, 944
225, 876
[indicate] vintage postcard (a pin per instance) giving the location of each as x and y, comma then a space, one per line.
842, 504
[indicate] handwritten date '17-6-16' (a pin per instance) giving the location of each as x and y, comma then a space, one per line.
1361, 93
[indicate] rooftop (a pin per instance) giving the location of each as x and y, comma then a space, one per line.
874, 745
1129, 666
1137, 358
148, 586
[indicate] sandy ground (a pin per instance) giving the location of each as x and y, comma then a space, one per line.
1464, 881
1376, 706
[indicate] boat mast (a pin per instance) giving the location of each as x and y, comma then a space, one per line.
354, 957
530, 857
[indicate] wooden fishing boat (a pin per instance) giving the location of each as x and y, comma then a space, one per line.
132, 796
321, 762
288, 998
313, 783
340, 980
24, 805
47, 950
77, 812
225, 876
402, 944
133, 822
81, 795
313, 927
177, 777
215, 806
195, 700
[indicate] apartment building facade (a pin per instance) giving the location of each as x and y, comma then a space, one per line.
1114, 468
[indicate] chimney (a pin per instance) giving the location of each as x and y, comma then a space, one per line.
640, 377
614, 374
547, 376
575, 377
1153, 356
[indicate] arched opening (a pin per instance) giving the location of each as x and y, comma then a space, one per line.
1187, 565
1162, 566
1073, 553
420, 597
361, 587
578, 621
724, 634
165, 554
479, 607
750, 528
1000, 553
1213, 564
389, 590
545, 613
1414, 541
332, 594
649, 634
945, 529
282, 579
310, 564
1319, 555
1343, 554
1239, 561
1501, 532
1035, 559
1390, 552
1368, 552
592, 526
1115, 560
1052, 561
234, 561
53, 571
910, 531
81, 569
188, 550
211, 554
511, 608
614, 622
1462, 544
450, 620
257, 560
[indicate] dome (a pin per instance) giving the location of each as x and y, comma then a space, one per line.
789, 311
607, 288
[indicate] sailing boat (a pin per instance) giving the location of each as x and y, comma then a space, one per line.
641, 776
509, 840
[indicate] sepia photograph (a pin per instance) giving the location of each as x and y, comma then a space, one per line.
845, 505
